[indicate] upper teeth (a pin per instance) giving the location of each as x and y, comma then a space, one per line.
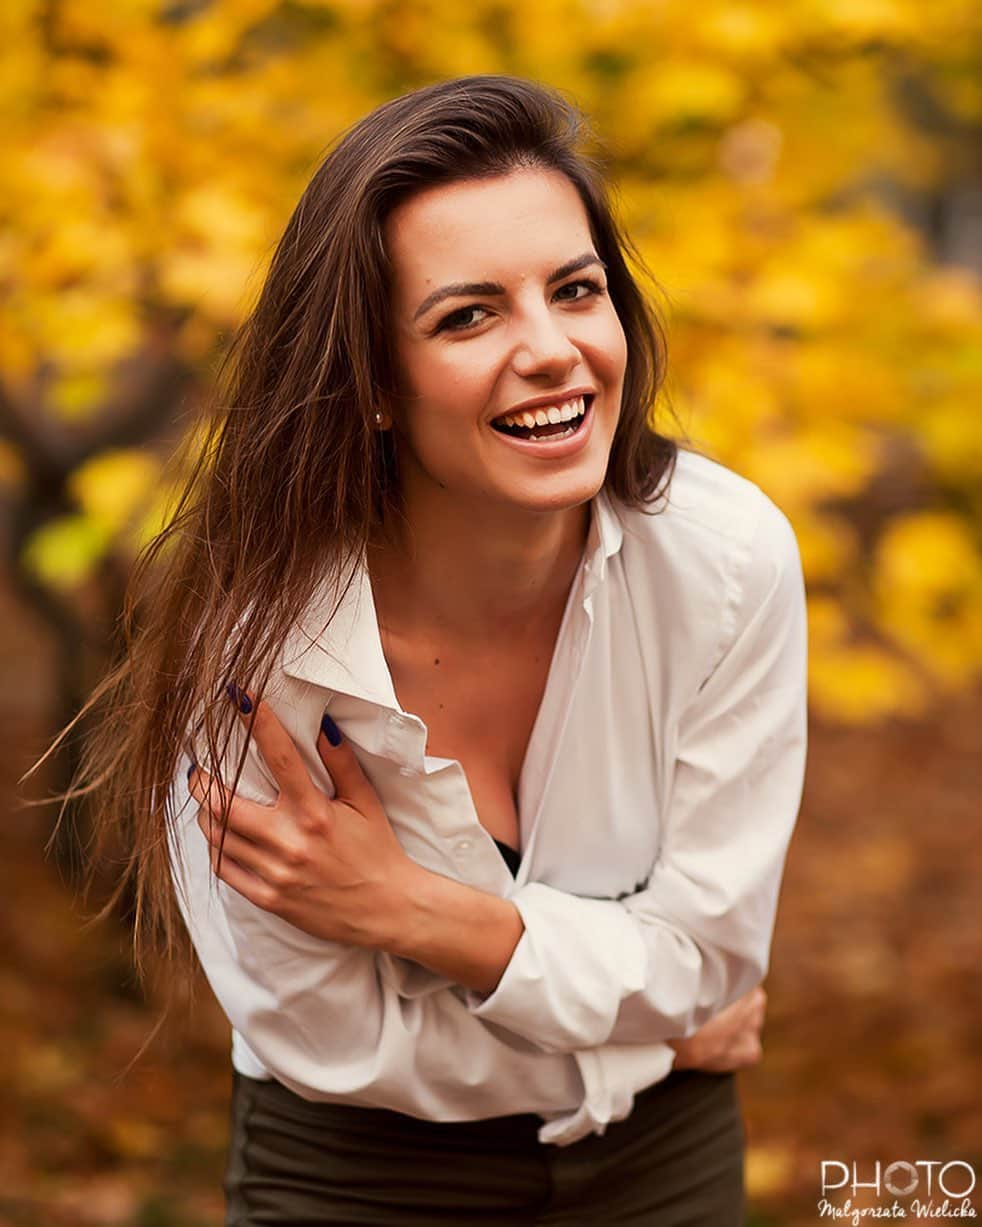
542, 416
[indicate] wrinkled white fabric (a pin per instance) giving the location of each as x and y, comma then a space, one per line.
657, 800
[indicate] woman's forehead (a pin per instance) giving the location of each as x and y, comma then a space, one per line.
477, 228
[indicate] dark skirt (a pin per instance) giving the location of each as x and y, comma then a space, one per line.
676, 1161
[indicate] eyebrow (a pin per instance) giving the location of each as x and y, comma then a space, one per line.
461, 289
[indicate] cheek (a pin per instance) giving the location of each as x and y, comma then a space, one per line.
618, 341
447, 384
445, 400
607, 347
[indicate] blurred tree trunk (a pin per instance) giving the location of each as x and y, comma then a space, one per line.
83, 630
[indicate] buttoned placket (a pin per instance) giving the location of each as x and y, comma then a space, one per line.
469, 846
404, 739
572, 645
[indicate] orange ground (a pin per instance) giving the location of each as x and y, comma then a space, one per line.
872, 1045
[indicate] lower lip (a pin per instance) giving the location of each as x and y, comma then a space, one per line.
554, 450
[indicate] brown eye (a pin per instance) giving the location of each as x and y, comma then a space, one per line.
454, 323
592, 288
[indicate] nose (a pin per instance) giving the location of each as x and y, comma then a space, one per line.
543, 347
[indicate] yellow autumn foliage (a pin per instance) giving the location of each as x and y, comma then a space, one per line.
928, 590
112, 487
774, 164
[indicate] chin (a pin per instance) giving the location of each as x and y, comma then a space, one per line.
560, 496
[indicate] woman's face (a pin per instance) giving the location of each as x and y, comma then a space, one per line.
499, 300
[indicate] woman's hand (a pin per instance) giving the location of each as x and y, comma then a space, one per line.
727, 1042
333, 868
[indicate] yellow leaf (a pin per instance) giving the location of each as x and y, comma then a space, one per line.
846, 382
866, 19
928, 587
826, 460
216, 212
64, 551
828, 625
794, 297
114, 485
18, 355
86, 327
744, 30
74, 394
951, 435
215, 282
862, 684
827, 546
675, 92
926, 555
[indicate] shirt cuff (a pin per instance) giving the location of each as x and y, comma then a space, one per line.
612, 1077
573, 966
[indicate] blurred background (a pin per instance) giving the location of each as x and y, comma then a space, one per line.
805, 182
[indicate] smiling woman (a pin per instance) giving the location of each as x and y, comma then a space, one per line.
482, 858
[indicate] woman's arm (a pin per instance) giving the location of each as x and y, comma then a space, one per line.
662, 962
727, 1042
327, 1017
569, 973
393, 895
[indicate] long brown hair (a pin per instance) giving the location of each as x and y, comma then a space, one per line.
293, 478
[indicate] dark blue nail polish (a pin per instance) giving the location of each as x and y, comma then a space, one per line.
330, 730
239, 698
191, 770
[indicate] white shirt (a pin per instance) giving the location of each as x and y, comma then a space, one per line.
656, 801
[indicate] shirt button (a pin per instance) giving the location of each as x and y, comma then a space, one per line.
464, 846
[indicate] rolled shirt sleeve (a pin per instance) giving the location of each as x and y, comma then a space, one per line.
659, 963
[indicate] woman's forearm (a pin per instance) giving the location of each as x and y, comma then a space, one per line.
457, 931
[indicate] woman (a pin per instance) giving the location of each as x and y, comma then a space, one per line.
491, 832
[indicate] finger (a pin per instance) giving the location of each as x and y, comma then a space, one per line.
730, 1016
249, 819
350, 782
246, 819
741, 1054
242, 880
243, 851
684, 1058
744, 1012
277, 747
200, 786
207, 791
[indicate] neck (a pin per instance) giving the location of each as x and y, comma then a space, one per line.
475, 571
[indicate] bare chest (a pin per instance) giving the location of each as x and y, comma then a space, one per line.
479, 710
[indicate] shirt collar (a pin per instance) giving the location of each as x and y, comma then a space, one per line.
355, 664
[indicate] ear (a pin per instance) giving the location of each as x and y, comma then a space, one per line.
393, 403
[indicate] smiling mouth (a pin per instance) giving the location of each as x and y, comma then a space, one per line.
547, 423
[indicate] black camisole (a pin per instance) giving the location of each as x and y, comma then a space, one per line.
511, 857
